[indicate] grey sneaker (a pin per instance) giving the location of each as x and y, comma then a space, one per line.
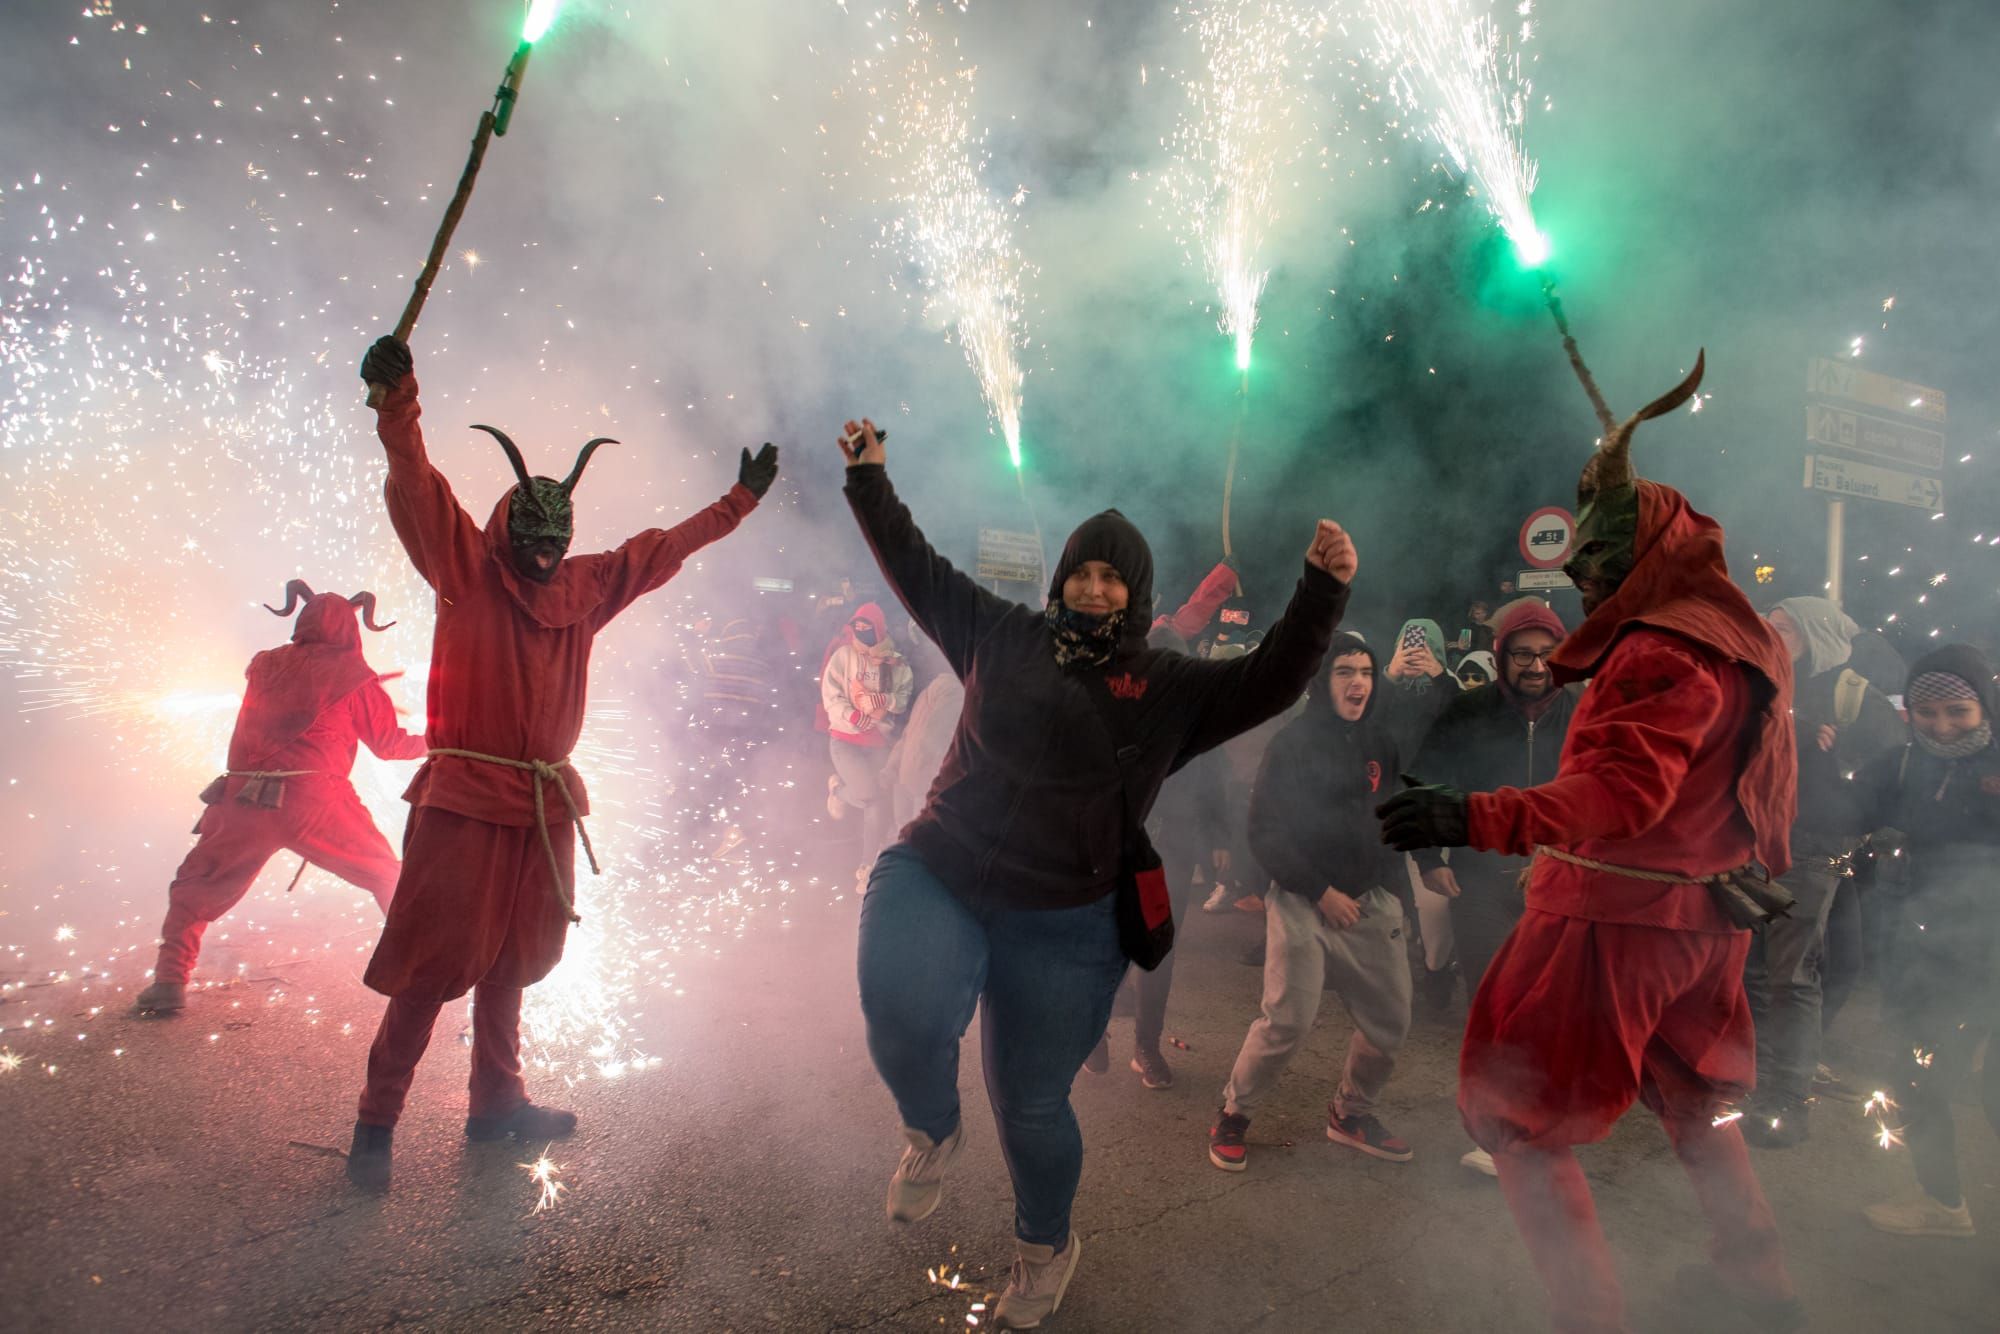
918, 1185
161, 998
1036, 1284
1923, 1217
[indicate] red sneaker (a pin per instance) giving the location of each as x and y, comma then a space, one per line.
1225, 1142
1365, 1133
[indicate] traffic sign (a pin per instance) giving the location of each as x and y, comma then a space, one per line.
1010, 556
1542, 579
1546, 536
1844, 477
1837, 379
1899, 442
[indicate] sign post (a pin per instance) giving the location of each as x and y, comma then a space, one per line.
1545, 542
1859, 412
1010, 557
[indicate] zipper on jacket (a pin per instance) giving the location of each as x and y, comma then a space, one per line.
1531, 752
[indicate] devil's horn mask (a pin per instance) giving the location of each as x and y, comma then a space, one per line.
541, 509
365, 601
1611, 466
296, 591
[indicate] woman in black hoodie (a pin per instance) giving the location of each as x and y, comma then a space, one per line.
1940, 979
1001, 893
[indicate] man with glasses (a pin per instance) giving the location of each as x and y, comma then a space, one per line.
1505, 734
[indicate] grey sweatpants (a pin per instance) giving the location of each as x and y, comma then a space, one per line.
1369, 969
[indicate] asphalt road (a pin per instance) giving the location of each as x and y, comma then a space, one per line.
184, 1174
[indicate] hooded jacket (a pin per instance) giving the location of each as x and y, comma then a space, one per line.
1947, 810
1028, 810
309, 704
1490, 737
1821, 829
1410, 706
858, 674
1680, 756
510, 658
1312, 821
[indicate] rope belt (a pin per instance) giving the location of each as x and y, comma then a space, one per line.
267, 773
1629, 872
544, 772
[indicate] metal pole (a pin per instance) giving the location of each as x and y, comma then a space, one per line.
1836, 515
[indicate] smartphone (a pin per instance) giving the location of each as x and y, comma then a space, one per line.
1414, 638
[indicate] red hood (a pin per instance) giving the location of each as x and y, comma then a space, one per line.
288, 687
1680, 584
1524, 614
563, 601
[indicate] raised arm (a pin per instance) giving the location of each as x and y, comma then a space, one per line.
1624, 761
1239, 694
947, 605
651, 558
441, 538
376, 726
1201, 606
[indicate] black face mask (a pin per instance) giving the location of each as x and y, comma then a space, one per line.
538, 558
864, 634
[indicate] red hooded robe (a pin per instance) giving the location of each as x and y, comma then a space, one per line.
509, 666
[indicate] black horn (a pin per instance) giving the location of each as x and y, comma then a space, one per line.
366, 602
513, 454
295, 593
569, 482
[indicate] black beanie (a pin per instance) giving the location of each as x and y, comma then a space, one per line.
1111, 538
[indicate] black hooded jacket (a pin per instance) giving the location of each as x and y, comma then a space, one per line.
1312, 813
1947, 810
1484, 740
1028, 810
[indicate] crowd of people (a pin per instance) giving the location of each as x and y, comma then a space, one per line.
1659, 847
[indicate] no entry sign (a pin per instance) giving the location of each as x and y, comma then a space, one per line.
1545, 537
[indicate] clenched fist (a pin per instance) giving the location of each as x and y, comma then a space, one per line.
1332, 550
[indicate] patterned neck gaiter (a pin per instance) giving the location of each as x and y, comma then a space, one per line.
1969, 743
1083, 641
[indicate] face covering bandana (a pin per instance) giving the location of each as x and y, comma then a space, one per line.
1083, 641
864, 633
1968, 743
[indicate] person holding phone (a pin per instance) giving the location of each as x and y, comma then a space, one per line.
1002, 895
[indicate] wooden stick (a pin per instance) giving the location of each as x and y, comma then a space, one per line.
453, 212
1583, 375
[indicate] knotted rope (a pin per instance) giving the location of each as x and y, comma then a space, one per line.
544, 772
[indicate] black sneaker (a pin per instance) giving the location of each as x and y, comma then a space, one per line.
368, 1156
1152, 1068
1364, 1133
1777, 1124
526, 1122
1226, 1147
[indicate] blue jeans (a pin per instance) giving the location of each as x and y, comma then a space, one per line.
1046, 979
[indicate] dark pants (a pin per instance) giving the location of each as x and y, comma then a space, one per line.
1782, 977
1940, 1000
1043, 983
1482, 916
1846, 953
1153, 988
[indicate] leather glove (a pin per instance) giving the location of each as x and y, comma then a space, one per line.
387, 362
757, 474
1427, 815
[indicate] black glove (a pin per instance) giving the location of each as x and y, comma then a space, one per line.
757, 474
387, 362
1428, 815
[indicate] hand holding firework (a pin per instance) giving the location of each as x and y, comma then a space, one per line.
1332, 550
862, 443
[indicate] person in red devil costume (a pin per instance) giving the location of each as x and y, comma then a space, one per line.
307, 705
486, 897
1624, 979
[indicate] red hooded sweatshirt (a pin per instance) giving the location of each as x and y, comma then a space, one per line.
309, 703
1680, 757
511, 658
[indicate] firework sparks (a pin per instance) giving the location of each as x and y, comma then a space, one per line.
1246, 118
950, 227
546, 1174
10, 1060
1455, 69
1728, 1117
1881, 1109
